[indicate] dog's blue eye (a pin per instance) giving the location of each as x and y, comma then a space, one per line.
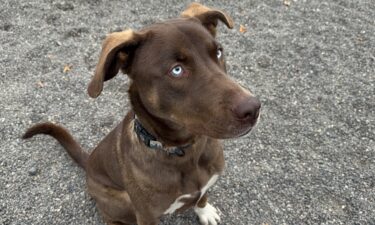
177, 71
219, 53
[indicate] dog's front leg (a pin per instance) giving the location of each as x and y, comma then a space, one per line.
146, 221
207, 213
140, 222
118, 223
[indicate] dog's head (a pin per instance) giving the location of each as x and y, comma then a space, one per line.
178, 74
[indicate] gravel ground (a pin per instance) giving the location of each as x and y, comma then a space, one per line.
311, 160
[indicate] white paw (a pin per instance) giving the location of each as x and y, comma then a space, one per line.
207, 215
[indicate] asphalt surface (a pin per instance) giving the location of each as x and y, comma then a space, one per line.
311, 160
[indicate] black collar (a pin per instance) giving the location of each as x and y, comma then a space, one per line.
150, 141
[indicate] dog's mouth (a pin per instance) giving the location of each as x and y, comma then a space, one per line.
250, 127
247, 132
228, 129
244, 131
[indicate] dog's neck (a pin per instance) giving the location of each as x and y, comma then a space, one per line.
165, 131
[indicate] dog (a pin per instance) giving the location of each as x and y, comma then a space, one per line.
166, 153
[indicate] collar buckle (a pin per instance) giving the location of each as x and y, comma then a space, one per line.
150, 141
155, 144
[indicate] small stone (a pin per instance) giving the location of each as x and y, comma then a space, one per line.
76, 32
6, 27
65, 6
33, 171
53, 19
71, 188
264, 61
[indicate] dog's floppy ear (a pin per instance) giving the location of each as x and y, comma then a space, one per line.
116, 51
208, 17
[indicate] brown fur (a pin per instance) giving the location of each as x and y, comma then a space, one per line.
130, 182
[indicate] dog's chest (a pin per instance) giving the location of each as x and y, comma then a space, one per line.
181, 200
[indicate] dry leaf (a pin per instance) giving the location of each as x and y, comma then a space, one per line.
287, 2
40, 84
67, 68
243, 29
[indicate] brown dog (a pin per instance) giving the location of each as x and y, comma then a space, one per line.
165, 154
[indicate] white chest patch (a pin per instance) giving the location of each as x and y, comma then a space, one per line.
178, 203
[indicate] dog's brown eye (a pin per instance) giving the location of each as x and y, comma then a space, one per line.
219, 53
177, 71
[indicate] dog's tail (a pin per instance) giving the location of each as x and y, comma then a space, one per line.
64, 137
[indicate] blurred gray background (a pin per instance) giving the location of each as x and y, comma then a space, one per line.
311, 160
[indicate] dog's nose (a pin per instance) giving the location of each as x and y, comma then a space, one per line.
247, 108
